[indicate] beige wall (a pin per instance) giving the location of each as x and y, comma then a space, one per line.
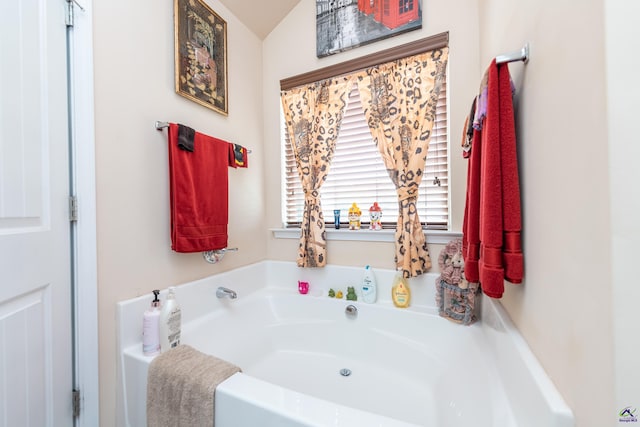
291, 49
133, 49
564, 308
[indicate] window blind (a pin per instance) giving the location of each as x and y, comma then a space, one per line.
358, 174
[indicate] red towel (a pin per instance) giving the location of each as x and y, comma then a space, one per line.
511, 213
471, 224
490, 265
492, 221
198, 193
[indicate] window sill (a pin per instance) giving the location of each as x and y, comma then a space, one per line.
344, 234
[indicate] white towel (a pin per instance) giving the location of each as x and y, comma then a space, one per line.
181, 387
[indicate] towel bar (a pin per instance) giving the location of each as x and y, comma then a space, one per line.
521, 55
161, 125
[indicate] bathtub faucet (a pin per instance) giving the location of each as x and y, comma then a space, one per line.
223, 292
351, 311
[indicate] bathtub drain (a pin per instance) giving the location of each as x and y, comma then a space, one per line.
345, 372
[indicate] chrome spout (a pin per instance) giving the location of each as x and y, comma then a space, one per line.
223, 292
351, 311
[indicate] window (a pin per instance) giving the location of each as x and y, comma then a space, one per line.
358, 174
405, 6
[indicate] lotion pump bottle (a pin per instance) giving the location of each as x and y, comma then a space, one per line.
150, 327
369, 288
170, 322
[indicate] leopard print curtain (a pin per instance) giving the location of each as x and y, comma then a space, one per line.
313, 115
399, 99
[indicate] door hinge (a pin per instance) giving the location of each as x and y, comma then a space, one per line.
68, 18
73, 208
76, 403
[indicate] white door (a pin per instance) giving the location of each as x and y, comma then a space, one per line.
35, 291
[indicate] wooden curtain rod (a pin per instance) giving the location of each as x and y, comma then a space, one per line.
409, 49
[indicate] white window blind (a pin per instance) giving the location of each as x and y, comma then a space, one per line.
358, 174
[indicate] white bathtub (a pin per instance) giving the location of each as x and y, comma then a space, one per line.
408, 367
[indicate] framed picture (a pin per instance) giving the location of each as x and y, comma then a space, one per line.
345, 24
201, 54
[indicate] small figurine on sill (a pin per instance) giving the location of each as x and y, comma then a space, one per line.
354, 217
303, 287
375, 214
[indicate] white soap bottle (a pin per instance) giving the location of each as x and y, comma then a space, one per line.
170, 322
150, 327
369, 288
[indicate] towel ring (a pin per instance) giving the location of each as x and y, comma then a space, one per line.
216, 255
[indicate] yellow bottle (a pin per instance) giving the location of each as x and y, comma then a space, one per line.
400, 292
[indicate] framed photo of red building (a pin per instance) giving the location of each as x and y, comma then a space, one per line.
344, 24
201, 54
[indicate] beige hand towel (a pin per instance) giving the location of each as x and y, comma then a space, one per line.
181, 386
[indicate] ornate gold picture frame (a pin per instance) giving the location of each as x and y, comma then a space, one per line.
201, 54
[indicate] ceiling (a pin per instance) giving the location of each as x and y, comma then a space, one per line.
260, 16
